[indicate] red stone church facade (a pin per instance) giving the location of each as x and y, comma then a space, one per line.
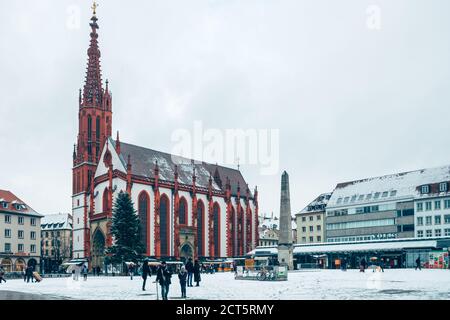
187, 208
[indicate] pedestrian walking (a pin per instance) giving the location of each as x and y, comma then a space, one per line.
163, 276
197, 271
29, 274
2, 275
418, 264
190, 271
85, 272
183, 278
98, 271
382, 264
145, 273
362, 265
131, 270
24, 275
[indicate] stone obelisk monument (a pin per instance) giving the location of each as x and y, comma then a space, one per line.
285, 240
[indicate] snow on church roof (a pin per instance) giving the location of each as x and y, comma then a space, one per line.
394, 186
143, 162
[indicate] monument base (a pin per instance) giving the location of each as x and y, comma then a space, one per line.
285, 256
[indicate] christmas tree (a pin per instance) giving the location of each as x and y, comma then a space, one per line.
125, 228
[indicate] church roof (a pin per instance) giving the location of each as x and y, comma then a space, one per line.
143, 162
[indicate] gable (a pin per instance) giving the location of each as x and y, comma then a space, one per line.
115, 159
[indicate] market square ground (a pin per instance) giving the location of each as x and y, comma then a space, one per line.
301, 285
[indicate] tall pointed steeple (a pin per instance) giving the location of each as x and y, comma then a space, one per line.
93, 88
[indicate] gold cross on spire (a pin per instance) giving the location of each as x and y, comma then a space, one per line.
94, 7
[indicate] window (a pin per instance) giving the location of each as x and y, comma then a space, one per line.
304, 229
353, 198
33, 248
311, 228
361, 198
419, 206
21, 220
20, 234
420, 234
33, 221
311, 218
46, 252
443, 187
319, 228
369, 196
319, 217
408, 227
437, 205
429, 233
437, 219
303, 239
78, 222
407, 212
7, 247
428, 220
339, 201
346, 199
377, 195
182, 211
447, 203
447, 219
319, 239
360, 224
437, 232
393, 193
428, 205
425, 189
7, 233
46, 234
7, 219
447, 232
311, 239
5, 205
20, 247
58, 233
33, 235
420, 221
385, 194
303, 219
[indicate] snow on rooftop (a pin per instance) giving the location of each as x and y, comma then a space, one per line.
318, 204
393, 186
59, 221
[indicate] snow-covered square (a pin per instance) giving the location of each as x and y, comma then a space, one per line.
301, 285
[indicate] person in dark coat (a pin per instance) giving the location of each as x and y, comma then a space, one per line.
197, 271
145, 273
183, 277
418, 264
29, 273
163, 276
190, 272
131, 270
363, 265
2, 274
85, 271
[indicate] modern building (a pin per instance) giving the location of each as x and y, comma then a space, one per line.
310, 221
20, 236
403, 205
187, 208
432, 205
396, 253
56, 235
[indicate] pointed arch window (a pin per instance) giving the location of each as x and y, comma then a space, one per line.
216, 229
106, 201
164, 225
143, 210
200, 228
183, 211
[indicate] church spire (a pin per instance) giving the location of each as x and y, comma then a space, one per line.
93, 89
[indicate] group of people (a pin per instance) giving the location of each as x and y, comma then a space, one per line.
28, 274
188, 273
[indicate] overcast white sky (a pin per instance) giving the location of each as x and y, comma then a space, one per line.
350, 102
